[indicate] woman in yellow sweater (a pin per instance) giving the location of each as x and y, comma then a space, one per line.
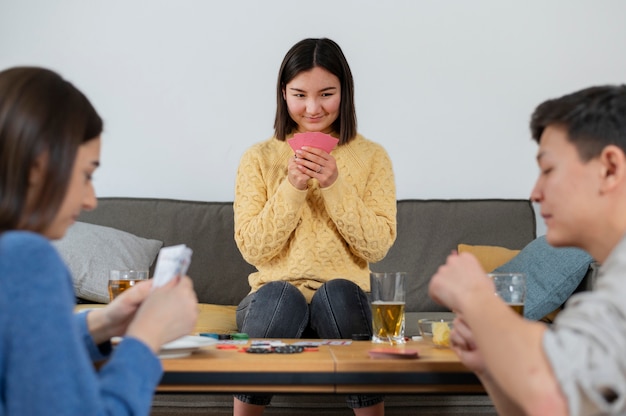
311, 222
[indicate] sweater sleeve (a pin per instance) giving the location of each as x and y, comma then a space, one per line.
367, 223
47, 369
96, 352
264, 218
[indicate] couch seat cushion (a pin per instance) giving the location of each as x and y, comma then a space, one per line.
218, 319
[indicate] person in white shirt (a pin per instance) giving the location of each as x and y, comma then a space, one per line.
576, 366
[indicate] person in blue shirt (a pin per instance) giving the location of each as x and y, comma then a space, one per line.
49, 150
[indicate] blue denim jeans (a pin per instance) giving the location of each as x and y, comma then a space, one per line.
338, 309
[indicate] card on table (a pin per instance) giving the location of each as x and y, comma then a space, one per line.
393, 353
172, 261
319, 140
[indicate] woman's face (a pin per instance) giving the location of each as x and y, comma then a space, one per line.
313, 98
80, 191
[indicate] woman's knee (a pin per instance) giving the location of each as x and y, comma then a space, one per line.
280, 294
277, 309
339, 291
340, 309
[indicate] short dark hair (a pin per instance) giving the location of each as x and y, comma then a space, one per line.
304, 56
40, 114
594, 118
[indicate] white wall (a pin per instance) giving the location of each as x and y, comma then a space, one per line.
446, 86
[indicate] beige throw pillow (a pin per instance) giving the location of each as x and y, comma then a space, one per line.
489, 257
90, 251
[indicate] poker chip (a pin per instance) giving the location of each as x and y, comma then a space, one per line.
288, 349
259, 350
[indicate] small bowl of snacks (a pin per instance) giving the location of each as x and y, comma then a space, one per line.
436, 331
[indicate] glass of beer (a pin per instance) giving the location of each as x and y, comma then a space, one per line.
388, 300
120, 280
511, 287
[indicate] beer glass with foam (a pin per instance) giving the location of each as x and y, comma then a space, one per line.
511, 287
388, 300
120, 280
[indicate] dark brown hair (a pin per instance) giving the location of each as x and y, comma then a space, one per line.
40, 114
304, 56
594, 118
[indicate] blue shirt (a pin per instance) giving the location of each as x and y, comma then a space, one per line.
46, 351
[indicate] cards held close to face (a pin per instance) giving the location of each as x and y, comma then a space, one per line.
319, 140
172, 261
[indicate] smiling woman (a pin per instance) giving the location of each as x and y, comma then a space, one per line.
313, 99
312, 223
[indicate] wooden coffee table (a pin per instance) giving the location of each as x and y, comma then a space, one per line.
332, 369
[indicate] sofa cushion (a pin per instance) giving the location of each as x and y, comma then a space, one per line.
428, 231
552, 275
90, 251
219, 272
218, 319
489, 257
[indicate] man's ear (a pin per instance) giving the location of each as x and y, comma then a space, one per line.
613, 161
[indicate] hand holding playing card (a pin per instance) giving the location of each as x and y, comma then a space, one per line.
172, 261
318, 140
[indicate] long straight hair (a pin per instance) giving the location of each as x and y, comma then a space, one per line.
41, 114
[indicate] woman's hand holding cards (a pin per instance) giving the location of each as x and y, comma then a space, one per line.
312, 159
169, 312
316, 163
170, 309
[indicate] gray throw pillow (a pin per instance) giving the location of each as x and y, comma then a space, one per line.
552, 275
90, 251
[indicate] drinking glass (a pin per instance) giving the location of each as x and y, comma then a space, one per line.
388, 301
511, 287
120, 280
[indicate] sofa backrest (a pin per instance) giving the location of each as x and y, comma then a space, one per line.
219, 272
428, 230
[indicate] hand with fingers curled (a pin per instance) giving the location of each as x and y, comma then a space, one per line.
457, 279
167, 312
316, 163
296, 176
463, 344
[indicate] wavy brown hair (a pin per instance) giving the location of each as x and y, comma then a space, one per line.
40, 114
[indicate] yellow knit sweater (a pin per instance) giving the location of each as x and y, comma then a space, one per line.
315, 235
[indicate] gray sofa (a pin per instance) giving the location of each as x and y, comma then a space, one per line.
428, 230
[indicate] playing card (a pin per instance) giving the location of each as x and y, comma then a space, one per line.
319, 140
393, 353
172, 261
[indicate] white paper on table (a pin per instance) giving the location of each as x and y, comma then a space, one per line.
172, 261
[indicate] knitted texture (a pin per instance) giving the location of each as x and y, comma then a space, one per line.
311, 236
